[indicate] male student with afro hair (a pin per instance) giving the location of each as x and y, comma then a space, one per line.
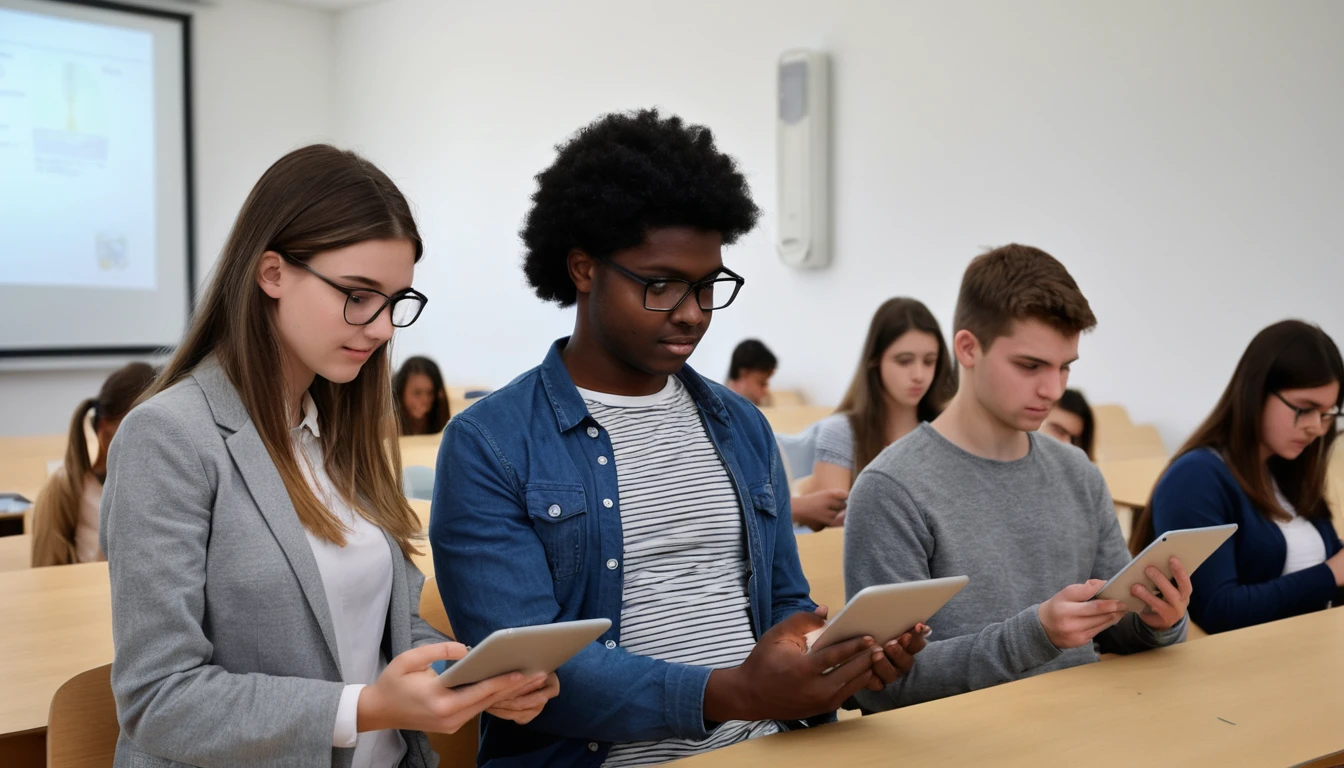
614, 481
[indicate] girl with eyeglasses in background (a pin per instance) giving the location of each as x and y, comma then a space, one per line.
1259, 460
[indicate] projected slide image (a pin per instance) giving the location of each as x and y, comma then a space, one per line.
69, 129
77, 170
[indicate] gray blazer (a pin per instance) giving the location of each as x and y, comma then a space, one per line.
225, 649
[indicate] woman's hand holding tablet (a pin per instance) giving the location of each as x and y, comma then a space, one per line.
405, 697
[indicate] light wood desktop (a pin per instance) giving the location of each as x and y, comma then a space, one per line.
822, 556
792, 419
58, 623
23, 461
1137, 442
1131, 481
1267, 695
420, 450
16, 552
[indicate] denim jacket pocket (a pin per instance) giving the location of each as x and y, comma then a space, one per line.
558, 516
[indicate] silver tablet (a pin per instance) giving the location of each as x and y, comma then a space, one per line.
1191, 545
886, 611
530, 650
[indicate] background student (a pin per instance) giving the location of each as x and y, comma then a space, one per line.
420, 397
750, 370
904, 378
65, 515
1259, 460
1071, 421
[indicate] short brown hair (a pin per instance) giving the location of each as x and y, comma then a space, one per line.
1018, 282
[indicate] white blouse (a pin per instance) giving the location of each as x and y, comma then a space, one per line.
1306, 548
358, 582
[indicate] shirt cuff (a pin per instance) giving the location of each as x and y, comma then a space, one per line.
1176, 633
346, 732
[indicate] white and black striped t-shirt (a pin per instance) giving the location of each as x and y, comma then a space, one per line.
686, 566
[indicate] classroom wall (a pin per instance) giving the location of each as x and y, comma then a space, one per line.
1183, 159
263, 85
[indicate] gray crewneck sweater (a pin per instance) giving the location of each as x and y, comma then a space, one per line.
1021, 530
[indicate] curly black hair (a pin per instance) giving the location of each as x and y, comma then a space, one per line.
617, 178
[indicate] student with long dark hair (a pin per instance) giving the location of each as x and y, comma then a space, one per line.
1259, 460
65, 515
421, 399
904, 378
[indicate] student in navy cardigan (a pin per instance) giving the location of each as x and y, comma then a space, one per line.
1259, 460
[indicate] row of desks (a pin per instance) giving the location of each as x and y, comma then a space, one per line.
1268, 695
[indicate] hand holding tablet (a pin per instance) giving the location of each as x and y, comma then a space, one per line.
1190, 546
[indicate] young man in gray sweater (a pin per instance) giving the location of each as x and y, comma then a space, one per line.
978, 492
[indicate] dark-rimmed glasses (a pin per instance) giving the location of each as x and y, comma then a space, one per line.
363, 305
665, 294
1326, 417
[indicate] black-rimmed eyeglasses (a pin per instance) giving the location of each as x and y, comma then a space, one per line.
363, 305
665, 294
1326, 417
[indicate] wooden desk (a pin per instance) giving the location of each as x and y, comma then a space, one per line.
422, 450
16, 552
1268, 695
792, 419
822, 555
23, 462
1132, 480
58, 623
1138, 442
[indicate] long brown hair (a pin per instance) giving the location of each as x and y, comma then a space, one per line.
864, 404
313, 199
1287, 355
56, 511
438, 415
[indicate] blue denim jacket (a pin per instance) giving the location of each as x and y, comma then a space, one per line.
526, 529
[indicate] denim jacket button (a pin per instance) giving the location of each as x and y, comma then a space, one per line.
554, 510
612, 564
592, 432
611, 644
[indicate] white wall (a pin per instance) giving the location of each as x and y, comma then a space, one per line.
1183, 159
262, 86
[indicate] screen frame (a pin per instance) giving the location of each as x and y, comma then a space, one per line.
188, 196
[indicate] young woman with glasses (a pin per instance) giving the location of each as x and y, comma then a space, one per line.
264, 605
1260, 461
